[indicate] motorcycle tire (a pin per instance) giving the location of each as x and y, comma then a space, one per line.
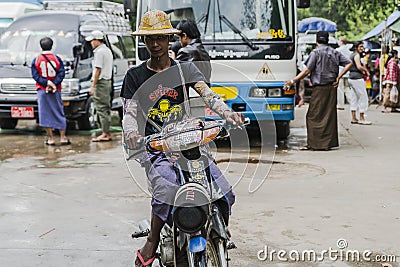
215, 255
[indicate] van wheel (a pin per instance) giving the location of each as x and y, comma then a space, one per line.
88, 121
282, 129
8, 123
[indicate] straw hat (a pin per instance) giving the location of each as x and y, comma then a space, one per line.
155, 22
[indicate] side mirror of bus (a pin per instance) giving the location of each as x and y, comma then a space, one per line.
77, 49
129, 8
303, 3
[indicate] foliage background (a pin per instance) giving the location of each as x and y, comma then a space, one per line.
354, 18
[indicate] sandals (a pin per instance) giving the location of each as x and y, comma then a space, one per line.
50, 143
141, 259
65, 143
354, 122
101, 139
364, 122
307, 148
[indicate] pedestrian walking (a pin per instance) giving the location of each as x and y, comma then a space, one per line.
156, 93
344, 91
192, 48
359, 101
101, 87
48, 72
321, 119
391, 83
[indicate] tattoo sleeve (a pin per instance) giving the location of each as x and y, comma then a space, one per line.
211, 99
129, 121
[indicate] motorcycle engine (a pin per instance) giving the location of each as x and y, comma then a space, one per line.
167, 250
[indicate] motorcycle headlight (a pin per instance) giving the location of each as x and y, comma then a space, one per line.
191, 208
70, 86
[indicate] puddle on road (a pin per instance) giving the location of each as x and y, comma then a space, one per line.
296, 139
28, 140
279, 169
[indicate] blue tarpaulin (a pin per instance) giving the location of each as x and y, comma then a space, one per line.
316, 24
395, 16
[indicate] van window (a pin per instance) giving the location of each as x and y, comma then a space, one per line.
87, 50
129, 45
116, 46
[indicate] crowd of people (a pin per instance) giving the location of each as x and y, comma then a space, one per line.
344, 74
378, 78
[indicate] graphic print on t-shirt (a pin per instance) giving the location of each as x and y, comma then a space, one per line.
166, 105
165, 112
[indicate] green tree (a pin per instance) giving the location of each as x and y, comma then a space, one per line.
354, 18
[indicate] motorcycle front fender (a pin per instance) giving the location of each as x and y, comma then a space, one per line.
218, 225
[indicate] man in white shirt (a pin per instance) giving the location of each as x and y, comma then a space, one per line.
101, 83
343, 88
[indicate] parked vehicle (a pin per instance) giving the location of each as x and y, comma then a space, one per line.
11, 10
199, 236
67, 23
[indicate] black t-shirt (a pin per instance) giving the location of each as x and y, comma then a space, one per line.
159, 94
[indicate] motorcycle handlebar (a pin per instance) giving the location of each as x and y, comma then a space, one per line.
148, 138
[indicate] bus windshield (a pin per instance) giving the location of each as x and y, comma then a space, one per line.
226, 20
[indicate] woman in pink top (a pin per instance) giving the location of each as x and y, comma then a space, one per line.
391, 81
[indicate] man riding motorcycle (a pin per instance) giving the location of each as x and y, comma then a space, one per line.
155, 92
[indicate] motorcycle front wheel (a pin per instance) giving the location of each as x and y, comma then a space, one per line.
214, 256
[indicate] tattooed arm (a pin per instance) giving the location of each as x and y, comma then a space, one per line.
215, 102
129, 124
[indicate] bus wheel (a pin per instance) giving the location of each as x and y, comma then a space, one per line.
8, 123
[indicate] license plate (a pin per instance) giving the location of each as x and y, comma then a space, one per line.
22, 112
274, 107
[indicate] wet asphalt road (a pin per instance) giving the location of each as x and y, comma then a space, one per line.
77, 205
28, 140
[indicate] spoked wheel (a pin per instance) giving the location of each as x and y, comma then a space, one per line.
212, 255
222, 252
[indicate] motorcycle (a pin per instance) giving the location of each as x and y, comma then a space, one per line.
199, 235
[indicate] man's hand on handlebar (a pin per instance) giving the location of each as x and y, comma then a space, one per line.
234, 118
134, 140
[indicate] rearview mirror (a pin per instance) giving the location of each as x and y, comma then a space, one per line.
303, 3
77, 49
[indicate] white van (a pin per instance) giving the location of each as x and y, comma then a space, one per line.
10, 11
67, 23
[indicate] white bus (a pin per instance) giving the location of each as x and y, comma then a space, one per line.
252, 45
